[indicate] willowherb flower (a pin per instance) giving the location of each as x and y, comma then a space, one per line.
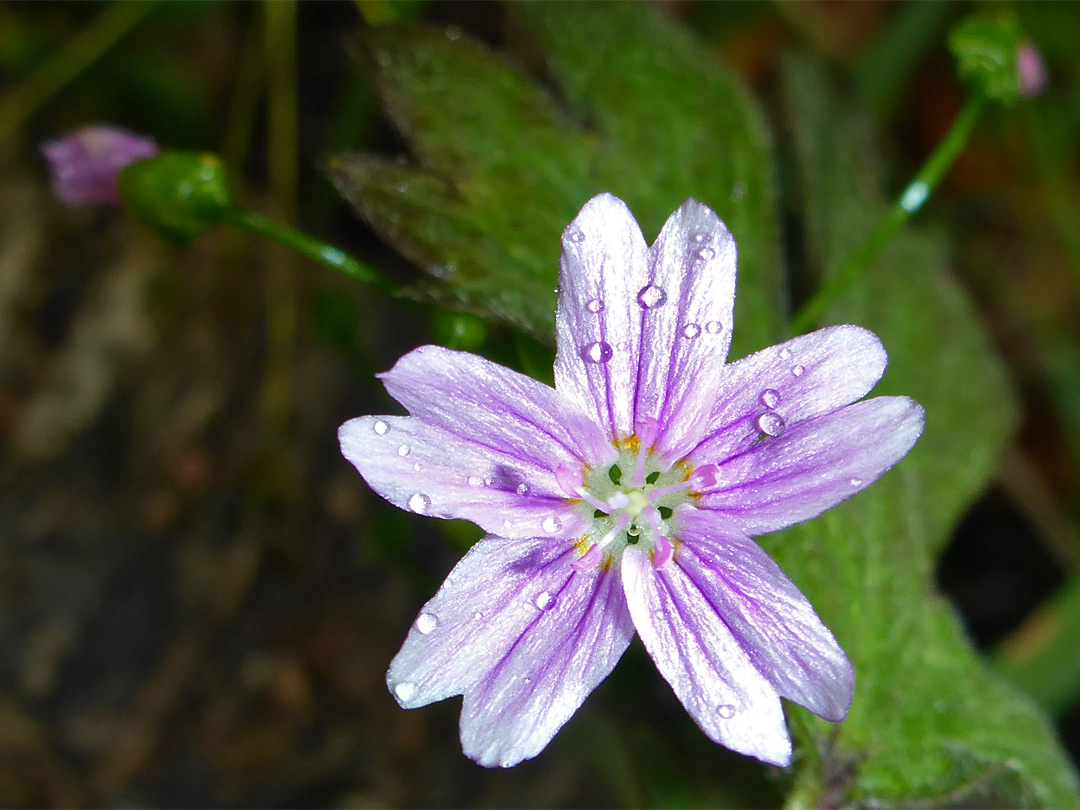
624, 499
85, 163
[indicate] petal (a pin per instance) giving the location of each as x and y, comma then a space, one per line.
430, 471
814, 465
523, 635
603, 268
766, 612
704, 663
490, 404
685, 340
800, 379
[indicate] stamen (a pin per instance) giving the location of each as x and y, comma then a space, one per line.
702, 478
651, 515
590, 559
647, 431
572, 481
621, 522
662, 552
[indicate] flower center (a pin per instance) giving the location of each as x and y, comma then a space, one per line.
632, 501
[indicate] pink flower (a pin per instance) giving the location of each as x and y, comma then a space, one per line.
623, 500
85, 163
1032, 70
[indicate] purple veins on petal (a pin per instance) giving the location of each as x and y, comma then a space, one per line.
624, 499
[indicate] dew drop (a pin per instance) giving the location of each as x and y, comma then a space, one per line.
476, 481
575, 236
404, 450
402, 188
453, 33
714, 327
426, 622
798, 371
405, 690
419, 502
770, 397
771, 424
598, 352
551, 524
699, 236
594, 305
651, 296
544, 600
785, 354
726, 710
856, 482
418, 466
522, 488
691, 331
478, 615
706, 253
381, 428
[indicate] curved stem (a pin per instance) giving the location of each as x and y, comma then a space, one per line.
910, 200
308, 246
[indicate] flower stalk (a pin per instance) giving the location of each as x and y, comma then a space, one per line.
909, 202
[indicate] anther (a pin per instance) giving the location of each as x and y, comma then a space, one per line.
662, 552
571, 481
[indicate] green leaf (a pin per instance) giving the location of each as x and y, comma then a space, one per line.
930, 722
500, 168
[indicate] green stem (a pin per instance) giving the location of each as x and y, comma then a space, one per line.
910, 201
78, 53
307, 246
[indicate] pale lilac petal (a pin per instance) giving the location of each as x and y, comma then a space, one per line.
704, 663
523, 635
686, 333
430, 471
805, 377
815, 464
602, 270
773, 622
492, 405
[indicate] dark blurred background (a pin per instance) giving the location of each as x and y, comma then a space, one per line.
199, 597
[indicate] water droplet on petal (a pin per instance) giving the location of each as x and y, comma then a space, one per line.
403, 451
476, 481
726, 710
598, 352
418, 466
522, 488
856, 482
594, 305
551, 524
651, 296
771, 424
785, 354
426, 622
706, 253
691, 331
798, 371
478, 615
544, 600
714, 327
575, 236
770, 397
380, 427
699, 236
405, 690
419, 502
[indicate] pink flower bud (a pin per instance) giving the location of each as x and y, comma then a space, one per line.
1032, 70
85, 163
